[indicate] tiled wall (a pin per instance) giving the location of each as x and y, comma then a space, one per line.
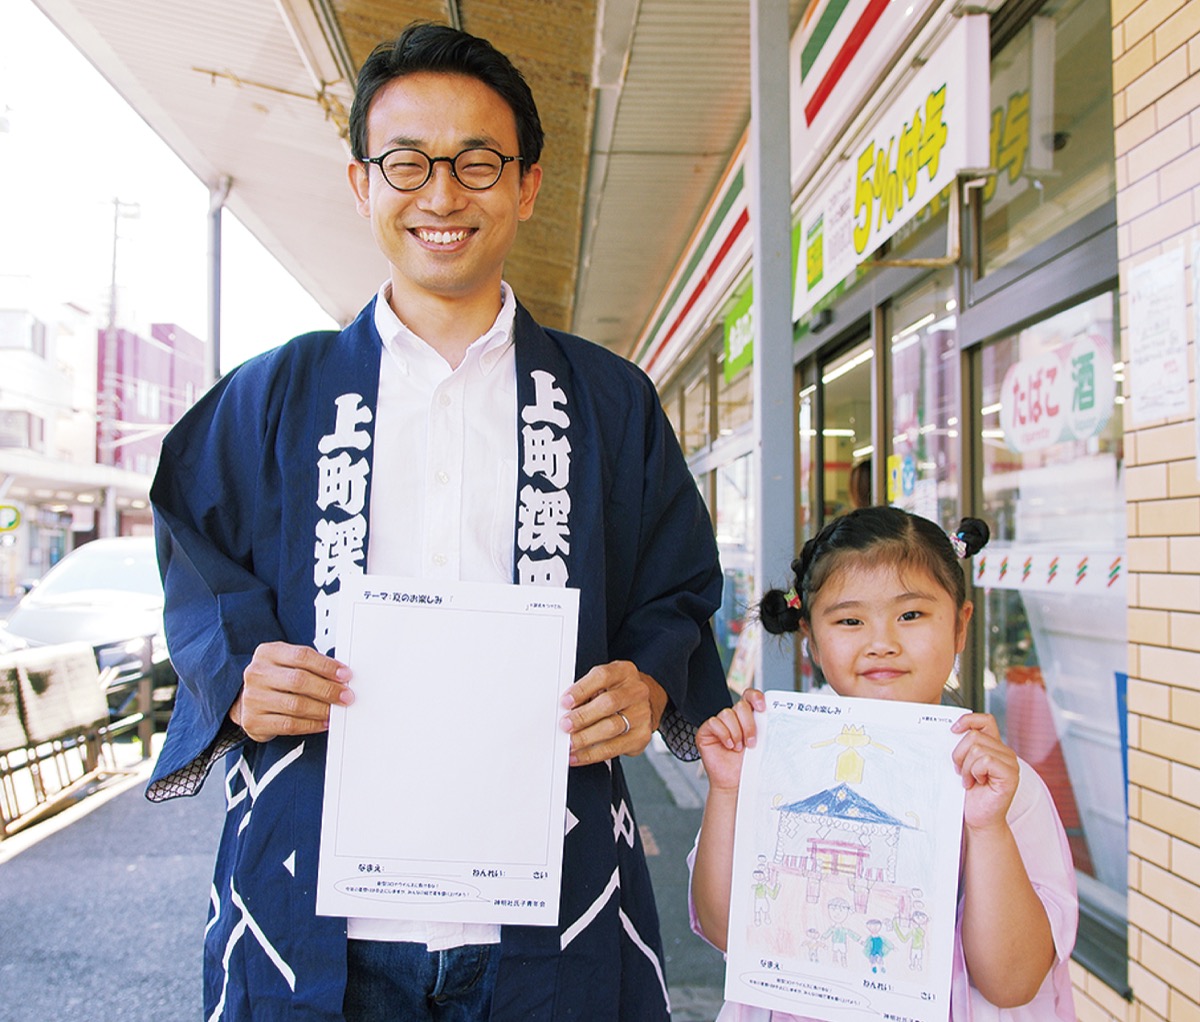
1156, 110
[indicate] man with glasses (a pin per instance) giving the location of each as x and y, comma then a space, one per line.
443, 434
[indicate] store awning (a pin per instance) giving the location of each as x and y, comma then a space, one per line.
643, 101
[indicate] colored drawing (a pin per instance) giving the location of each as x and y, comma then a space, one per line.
848, 832
850, 763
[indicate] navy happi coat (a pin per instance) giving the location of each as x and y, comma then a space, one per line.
261, 503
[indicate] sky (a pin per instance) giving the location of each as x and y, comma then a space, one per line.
72, 147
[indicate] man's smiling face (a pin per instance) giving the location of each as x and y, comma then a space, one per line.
443, 241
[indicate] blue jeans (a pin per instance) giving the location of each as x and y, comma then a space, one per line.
399, 981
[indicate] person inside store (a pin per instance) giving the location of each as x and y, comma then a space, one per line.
881, 598
860, 483
443, 434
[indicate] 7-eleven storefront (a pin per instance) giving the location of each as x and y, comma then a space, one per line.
961, 325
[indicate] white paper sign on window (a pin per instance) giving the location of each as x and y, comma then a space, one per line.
1158, 372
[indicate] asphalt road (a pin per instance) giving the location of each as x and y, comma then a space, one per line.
102, 908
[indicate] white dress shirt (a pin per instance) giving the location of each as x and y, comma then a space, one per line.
443, 495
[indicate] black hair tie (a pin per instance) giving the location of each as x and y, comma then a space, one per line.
971, 537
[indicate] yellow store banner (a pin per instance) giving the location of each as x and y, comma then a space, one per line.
935, 130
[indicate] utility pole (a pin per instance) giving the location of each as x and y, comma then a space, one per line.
217, 197
106, 453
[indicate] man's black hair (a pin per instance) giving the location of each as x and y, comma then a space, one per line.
425, 46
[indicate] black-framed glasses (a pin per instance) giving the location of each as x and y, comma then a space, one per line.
406, 170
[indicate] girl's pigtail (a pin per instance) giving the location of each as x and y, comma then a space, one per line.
781, 612
971, 537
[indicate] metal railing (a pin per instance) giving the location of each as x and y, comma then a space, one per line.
56, 733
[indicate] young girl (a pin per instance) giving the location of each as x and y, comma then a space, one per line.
881, 599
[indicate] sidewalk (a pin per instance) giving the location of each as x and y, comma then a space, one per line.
102, 907
668, 800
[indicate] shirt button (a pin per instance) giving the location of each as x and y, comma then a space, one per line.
439, 559
443, 399
442, 477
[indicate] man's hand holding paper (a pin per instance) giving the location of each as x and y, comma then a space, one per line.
287, 690
611, 711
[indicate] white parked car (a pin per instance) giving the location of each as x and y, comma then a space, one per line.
108, 594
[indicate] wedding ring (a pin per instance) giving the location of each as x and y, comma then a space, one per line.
626, 719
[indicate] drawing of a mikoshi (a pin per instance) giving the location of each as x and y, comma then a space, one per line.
838, 833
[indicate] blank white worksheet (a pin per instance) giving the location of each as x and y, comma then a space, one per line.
445, 783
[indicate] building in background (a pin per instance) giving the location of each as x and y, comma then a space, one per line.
996, 248
143, 385
69, 470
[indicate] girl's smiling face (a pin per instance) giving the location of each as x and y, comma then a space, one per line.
886, 632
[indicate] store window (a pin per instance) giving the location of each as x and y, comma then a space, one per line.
672, 403
923, 463
808, 461
735, 399
696, 434
808, 468
1052, 581
846, 426
734, 466
716, 439
735, 542
1051, 128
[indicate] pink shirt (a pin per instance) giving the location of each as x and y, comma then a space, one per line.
1047, 857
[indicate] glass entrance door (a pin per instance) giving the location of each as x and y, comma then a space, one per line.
846, 430
1051, 585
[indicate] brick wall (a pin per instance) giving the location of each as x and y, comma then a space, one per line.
1156, 112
